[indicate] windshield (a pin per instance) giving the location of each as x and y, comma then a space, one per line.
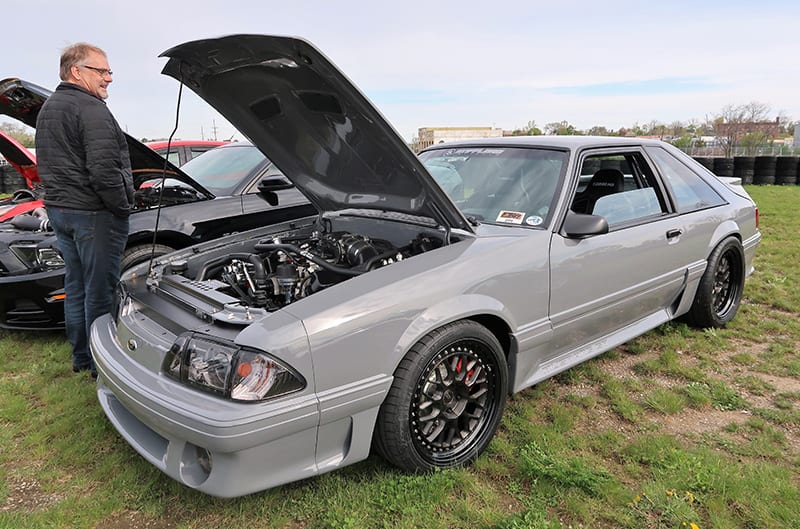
499, 184
222, 169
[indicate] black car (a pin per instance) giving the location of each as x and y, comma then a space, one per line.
229, 189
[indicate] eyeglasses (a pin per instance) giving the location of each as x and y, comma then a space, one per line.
102, 71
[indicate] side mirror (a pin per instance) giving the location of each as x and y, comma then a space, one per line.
267, 188
579, 226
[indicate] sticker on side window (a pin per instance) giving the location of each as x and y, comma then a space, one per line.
510, 217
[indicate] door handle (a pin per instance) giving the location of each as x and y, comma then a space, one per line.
671, 234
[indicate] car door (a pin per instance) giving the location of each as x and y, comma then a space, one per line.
605, 286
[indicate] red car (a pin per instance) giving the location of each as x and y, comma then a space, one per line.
181, 151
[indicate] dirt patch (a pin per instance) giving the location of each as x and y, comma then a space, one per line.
135, 520
782, 384
26, 495
689, 422
692, 421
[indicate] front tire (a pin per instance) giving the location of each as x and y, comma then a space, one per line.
446, 401
140, 253
720, 291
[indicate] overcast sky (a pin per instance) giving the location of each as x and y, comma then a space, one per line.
446, 63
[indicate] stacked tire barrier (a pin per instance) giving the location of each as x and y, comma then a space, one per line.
723, 166
764, 170
706, 161
786, 170
744, 167
759, 170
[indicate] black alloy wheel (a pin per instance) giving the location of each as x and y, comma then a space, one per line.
446, 401
720, 291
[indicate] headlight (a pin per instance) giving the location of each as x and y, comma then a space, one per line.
46, 257
228, 370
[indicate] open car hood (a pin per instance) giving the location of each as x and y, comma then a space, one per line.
312, 122
22, 101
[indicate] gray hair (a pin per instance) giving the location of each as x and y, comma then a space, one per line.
74, 55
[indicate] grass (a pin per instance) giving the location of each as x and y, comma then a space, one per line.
678, 428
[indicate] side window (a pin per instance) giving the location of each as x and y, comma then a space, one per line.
197, 151
620, 187
691, 192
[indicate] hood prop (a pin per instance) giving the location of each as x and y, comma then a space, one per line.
164, 176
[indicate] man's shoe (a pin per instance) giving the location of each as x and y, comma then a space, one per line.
94, 374
78, 369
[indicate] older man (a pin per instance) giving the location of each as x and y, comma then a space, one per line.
85, 170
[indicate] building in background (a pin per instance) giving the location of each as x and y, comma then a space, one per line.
427, 136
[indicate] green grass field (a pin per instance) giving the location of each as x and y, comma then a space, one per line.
681, 428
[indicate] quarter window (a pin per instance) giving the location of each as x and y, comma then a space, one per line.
691, 192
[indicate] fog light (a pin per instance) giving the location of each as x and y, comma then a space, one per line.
195, 465
204, 459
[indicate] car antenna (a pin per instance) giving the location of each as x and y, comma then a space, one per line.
164, 172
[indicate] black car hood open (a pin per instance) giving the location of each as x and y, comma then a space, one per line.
22, 101
312, 122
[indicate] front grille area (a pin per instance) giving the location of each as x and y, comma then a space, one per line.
25, 313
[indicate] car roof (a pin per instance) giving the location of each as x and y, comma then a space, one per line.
560, 142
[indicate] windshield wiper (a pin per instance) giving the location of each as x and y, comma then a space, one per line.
475, 220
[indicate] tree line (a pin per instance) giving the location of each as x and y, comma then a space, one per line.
747, 126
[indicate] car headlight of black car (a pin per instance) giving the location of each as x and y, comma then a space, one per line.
39, 258
231, 371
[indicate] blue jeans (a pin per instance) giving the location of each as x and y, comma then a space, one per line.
91, 243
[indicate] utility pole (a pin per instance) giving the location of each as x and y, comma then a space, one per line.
214, 128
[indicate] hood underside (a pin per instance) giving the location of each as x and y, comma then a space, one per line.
22, 101
312, 122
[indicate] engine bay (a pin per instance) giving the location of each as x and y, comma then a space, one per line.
272, 272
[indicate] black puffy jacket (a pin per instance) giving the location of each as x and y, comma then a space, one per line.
82, 154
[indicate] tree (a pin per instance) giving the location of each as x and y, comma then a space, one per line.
562, 128
414, 145
21, 133
530, 129
684, 142
733, 123
677, 129
599, 130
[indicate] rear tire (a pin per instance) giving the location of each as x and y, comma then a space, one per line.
720, 291
446, 401
140, 253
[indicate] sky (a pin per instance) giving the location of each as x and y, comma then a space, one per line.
446, 63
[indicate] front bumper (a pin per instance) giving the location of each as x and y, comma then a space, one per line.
220, 447
32, 301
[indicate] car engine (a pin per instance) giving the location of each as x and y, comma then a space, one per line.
282, 270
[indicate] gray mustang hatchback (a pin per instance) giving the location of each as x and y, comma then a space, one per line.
402, 315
